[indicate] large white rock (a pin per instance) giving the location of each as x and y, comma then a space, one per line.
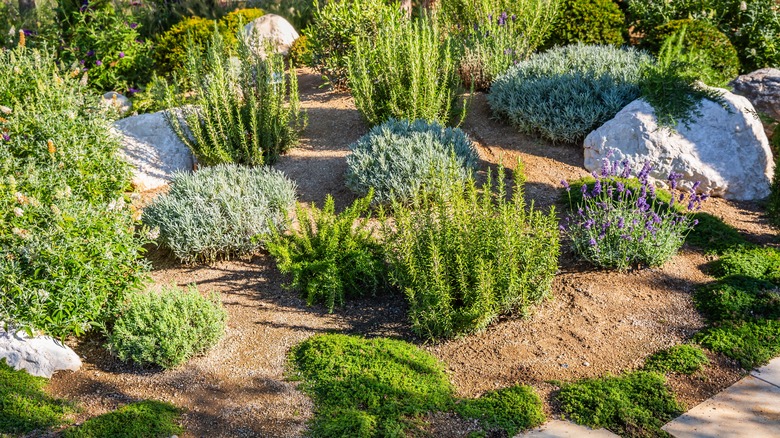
153, 149
273, 29
727, 151
40, 356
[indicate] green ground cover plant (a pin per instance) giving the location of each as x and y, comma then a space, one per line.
588, 22
467, 257
220, 211
511, 410
24, 406
166, 328
332, 257
683, 359
148, 419
398, 159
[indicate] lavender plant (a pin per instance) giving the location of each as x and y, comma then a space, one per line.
619, 223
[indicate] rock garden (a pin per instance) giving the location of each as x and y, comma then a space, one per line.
365, 218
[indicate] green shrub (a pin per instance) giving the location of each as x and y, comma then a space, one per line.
755, 262
368, 387
231, 24
160, 16
24, 405
245, 110
465, 258
331, 257
565, 93
511, 409
684, 359
773, 203
148, 419
300, 52
220, 211
635, 404
399, 158
170, 48
166, 328
588, 22
67, 244
337, 25
405, 71
534, 18
300, 13
751, 343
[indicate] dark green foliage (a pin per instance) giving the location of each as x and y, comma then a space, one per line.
332, 257
233, 23
588, 22
754, 262
166, 328
684, 359
369, 387
634, 405
751, 343
465, 258
24, 406
511, 409
773, 203
170, 48
300, 52
144, 419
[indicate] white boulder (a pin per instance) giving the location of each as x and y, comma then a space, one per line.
270, 29
40, 356
153, 149
117, 101
727, 151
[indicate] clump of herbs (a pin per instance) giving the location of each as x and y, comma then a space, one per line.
683, 359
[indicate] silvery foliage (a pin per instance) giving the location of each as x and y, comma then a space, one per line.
399, 158
566, 92
220, 211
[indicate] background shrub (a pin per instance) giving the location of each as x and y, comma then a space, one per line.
773, 203
170, 48
231, 24
465, 258
300, 52
147, 418
565, 93
399, 158
24, 405
166, 328
159, 16
331, 257
684, 359
220, 211
406, 71
67, 244
588, 22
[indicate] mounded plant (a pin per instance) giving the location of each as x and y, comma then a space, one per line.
465, 257
399, 158
588, 22
166, 328
684, 359
220, 211
170, 48
24, 405
512, 409
147, 418
232, 24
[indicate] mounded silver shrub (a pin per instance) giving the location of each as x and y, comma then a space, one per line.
399, 158
220, 211
565, 93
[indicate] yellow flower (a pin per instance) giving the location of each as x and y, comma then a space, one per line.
50, 144
22, 40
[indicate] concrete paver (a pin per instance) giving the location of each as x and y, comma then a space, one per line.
565, 429
750, 408
769, 373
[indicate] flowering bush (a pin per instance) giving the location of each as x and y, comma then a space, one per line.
620, 224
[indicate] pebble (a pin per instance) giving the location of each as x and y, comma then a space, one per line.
587, 364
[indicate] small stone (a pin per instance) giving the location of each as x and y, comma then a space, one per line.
586, 364
565, 365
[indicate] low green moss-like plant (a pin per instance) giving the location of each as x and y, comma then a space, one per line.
220, 211
683, 359
332, 257
369, 387
148, 419
24, 405
399, 158
634, 405
588, 22
166, 328
751, 343
511, 409
754, 262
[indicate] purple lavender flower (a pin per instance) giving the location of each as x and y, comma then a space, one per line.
592, 242
502, 19
621, 223
626, 168
91, 53
674, 178
133, 25
620, 187
565, 185
645, 172
121, 54
27, 32
132, 90
6, 137
514, 17
98, 62
597, 188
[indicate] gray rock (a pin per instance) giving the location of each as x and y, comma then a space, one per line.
270, 29
118, 101
727, 151
40, 356
762, 88
153, 149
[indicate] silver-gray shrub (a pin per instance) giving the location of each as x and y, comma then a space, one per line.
399, 158
566, 92
220, 211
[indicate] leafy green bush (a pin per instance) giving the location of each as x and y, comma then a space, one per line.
170, 48
635, 404
406, 71
231, 24
331, 257
511, 409
166, 328
338, 24
148, 419
300, 13
160, 16
684, 359
773, 203
565, 93
533, 18
368, 387
399, 158
300, 52
245, 110
67, 244
24, 405
220, 211
588, 22
465, 258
